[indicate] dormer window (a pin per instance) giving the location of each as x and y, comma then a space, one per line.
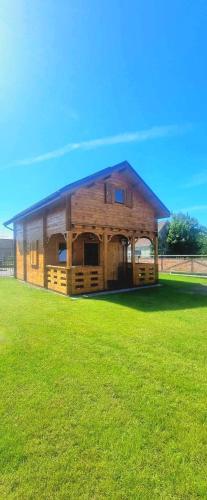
119, 196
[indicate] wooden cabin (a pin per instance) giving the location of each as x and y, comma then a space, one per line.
83, 238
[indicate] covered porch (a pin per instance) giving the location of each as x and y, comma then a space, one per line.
89, 259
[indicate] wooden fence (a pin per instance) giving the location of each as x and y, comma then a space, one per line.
6, 267
183, 264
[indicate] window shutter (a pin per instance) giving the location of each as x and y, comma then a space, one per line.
108, 193
129, 198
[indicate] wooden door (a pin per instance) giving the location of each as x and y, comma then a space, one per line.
116, 256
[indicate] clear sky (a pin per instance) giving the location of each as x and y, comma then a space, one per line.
87, 84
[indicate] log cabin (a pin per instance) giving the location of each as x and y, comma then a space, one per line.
83, 237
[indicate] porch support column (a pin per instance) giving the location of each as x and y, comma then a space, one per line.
133, 260
15, 251
69, 243
156, 257
25, 250
105, 260
69, 261
44, 242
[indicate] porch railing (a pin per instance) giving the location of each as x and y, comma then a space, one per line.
57, 277
145, 274
86, 279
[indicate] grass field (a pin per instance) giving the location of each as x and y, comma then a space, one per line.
104, 397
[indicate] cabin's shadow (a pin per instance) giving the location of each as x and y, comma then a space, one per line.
171, 296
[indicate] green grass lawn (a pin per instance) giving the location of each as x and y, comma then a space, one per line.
104, 397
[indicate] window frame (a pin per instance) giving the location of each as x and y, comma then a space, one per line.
34, 253
120, 190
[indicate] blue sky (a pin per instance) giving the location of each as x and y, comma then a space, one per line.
87, 84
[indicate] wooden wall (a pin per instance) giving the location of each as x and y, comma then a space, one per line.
89, 207
78, 249
56, 220
34, 233
19, 250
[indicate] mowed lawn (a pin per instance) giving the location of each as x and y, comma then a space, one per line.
104, 397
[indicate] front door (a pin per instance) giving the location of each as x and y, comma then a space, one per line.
117, 263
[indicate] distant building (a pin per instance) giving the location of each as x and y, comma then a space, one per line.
144, 248
6, 249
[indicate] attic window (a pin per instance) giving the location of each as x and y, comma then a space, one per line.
119, 196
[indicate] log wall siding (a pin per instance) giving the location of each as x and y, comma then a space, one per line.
88, 206
19, 251
34, 233
56, 220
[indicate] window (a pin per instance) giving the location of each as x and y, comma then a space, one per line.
123, 196
34, 253
91, 254
62, 252
119, 196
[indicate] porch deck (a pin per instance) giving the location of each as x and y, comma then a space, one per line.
87, 279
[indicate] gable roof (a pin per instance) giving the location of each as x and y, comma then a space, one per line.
160, 209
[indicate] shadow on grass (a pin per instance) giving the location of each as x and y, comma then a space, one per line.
171, 295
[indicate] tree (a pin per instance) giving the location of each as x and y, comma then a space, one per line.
163, 229
185, 235
203, 244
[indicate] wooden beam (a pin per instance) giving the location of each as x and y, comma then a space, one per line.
44, 242
68, 212
133, 259
156, 257
105, 259
15, 251
69, 241
25, 250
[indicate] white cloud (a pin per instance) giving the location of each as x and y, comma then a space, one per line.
198, 179
127, 137
194, 208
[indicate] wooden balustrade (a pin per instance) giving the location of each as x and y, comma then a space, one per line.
57, 278
145, 274
86, 279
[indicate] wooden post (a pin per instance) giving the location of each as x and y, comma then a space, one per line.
105, 259
69, 261
44, 243
133, 261
69, 243
68, 212
156, 257
24, 251
15, 251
